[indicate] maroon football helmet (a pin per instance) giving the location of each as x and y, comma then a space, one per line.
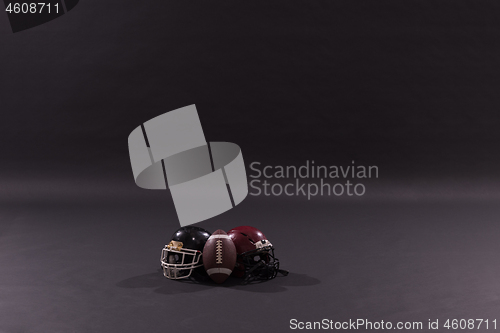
256, 260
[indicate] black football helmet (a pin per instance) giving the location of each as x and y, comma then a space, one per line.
183, 255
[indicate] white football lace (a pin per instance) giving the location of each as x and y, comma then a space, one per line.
218, 252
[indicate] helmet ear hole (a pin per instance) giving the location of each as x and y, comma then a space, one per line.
256, 258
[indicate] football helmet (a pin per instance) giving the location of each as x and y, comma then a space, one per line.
256, 260
183, 255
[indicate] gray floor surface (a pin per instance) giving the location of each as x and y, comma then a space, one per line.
92, 266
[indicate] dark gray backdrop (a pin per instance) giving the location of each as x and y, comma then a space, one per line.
408, 86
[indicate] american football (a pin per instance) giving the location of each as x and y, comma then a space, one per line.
219, 256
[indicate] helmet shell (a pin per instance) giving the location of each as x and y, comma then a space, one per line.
245, 238
193, 238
